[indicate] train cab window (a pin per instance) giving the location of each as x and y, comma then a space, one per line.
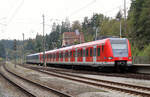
98, 51
87, 52
91, 52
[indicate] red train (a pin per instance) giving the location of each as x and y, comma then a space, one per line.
109, 52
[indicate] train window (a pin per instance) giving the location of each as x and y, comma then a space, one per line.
67, 54
74, 53
70, 53
98, 51
102, 48
87, 52
57, 55
50, 55
78, 53
94, 52
62, 55
91, 52
81, 52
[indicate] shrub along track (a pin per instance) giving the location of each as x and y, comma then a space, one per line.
122, 87
27, 91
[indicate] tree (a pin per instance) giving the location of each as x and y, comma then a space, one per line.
139, 20
76, 25
2, 50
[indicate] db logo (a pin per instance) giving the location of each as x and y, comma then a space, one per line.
120, 58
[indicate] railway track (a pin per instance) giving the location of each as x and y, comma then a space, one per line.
27, 91
122, 87
124, 75
18, 86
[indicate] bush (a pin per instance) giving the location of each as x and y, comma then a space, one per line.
146, 51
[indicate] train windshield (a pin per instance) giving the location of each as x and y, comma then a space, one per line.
119, 47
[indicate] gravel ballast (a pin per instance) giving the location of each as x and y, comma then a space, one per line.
74, 88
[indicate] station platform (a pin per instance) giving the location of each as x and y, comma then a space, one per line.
142, 68
141, 64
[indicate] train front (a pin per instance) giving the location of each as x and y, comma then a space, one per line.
121, 53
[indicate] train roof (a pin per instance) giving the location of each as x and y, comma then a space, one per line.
85, 44
102, 41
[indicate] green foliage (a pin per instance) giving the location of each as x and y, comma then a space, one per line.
76, 25
145, 51
89, 26
139, 20
2, 50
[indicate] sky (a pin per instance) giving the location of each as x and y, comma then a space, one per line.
25, 16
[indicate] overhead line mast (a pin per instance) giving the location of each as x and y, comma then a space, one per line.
44, 61
125, 22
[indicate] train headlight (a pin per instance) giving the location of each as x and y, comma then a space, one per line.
130, 57
110, 58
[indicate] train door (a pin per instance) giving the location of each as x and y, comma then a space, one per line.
76, 55
89, 54
50, 57
40, 58
69, 56
61, 56
66, 56
102, 53
94, 54
72, 55
47, 58
80, 55
57, 56
98, 53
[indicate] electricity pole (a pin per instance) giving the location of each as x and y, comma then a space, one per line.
23, 49
96, 33
125, 23
15, 49
44, 58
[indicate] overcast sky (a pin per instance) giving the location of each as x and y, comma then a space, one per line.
25, 16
